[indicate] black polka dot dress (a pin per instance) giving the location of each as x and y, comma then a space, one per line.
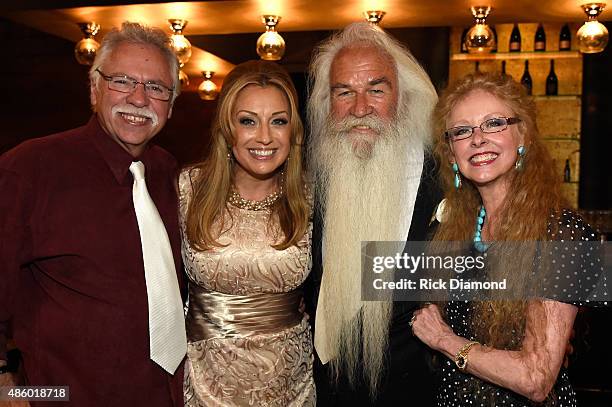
462, 389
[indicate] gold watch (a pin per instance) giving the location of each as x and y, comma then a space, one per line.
461, 359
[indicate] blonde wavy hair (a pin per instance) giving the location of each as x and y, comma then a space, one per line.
533, 196
212, 178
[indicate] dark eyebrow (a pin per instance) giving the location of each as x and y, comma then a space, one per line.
382, 80
373, 82
255, 114
339, 86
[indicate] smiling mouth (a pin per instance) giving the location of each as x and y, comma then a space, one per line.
483, 159
260, 153
362, 128
135, 120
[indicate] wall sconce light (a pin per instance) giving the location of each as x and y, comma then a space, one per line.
270, 45
480, 39
374, 16
178, 42
593, 35
207, 89
85, 50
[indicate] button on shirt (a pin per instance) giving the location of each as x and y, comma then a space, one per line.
71, 268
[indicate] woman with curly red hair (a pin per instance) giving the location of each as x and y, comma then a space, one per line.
500, 186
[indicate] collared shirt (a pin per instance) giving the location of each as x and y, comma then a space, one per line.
71, 269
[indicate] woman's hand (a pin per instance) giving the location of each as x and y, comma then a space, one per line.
429, 326
531, 371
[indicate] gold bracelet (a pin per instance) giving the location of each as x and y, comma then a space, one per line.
461, 359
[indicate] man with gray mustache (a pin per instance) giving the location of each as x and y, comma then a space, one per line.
369, 113
90, 253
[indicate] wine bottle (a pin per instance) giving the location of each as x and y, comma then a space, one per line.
526, 79
540, 39
565, 39
552, 84
495, 38
463, 47
567, 172
515, 39
477, 67
503, 68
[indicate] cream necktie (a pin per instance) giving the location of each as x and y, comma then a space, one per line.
167, 338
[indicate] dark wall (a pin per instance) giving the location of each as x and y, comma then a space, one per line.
42, 91
596, 137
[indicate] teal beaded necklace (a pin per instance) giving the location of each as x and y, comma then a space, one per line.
478, 244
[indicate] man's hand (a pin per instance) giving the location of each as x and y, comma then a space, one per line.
9, 380
4, 377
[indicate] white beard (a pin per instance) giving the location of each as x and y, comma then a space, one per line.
368, 194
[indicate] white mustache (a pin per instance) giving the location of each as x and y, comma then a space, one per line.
348, 123
136, 111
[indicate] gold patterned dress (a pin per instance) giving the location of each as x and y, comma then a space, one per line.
248, 343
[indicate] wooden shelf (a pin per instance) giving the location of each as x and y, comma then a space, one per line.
558, 97
517, 55
570, 137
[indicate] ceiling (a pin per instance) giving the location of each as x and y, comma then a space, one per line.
220, 29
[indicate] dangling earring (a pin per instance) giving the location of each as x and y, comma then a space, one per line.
457, 176
520, 151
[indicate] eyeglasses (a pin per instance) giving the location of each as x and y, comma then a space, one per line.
494, 125
125, 84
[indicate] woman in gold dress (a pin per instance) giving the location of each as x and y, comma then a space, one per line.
245, 217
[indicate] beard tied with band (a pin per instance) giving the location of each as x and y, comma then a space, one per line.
361, 196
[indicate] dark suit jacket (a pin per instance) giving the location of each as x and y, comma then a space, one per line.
409, 375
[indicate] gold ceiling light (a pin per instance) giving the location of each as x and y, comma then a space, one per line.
181, 47
270, 45
374, 16
207, 89
593, 35
480, 39
85, 50
178, 42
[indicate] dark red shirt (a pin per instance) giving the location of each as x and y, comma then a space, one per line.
71, 269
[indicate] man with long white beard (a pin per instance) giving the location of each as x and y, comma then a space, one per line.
369, 112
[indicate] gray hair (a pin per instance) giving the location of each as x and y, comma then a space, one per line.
137, 33
416, 94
